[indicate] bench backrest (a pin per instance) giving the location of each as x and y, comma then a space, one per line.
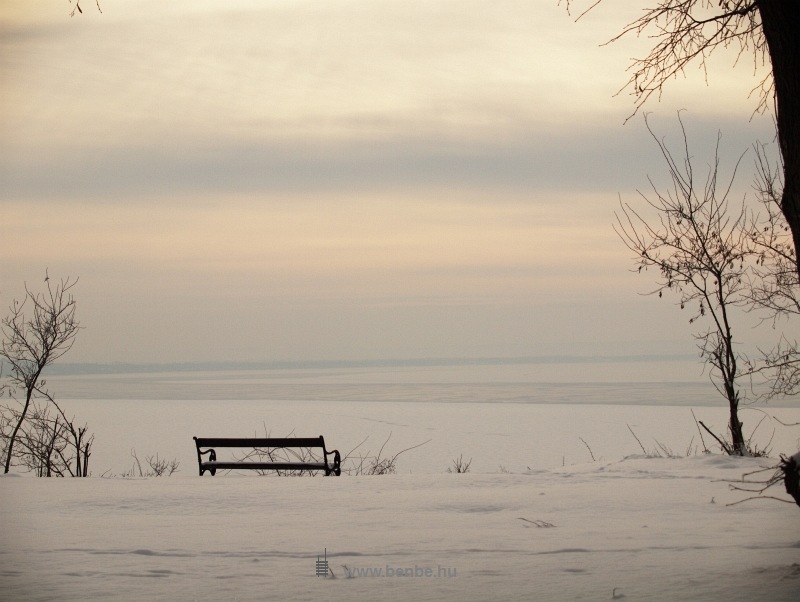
260, 442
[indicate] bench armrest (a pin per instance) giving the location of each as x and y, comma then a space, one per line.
212, 457
336, 467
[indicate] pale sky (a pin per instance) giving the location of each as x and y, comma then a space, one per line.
262, 180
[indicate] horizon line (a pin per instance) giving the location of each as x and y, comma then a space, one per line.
221, 365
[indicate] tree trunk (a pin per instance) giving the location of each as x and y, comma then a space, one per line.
738, 444
791, 475
780, 20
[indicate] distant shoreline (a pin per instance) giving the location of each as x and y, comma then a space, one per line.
86, 368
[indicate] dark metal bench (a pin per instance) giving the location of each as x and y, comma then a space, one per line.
264, 447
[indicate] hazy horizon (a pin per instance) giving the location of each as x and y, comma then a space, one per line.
67, 367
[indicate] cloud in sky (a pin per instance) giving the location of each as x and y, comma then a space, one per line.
315, 179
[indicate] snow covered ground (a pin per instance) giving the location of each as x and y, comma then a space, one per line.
534, 519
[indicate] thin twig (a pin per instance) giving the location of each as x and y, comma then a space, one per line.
644, 451
589, 448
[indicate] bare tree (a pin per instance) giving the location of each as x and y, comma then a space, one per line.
38, 331
773, 285
699, 245
688, 32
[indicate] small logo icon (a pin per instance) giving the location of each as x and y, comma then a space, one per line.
322, 565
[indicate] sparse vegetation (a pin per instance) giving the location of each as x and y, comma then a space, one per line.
280, 455
378, 464
539, 524
155, 466
460, 465
35, 432
663, 451
353, 463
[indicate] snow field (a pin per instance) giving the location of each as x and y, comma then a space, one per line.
552, 526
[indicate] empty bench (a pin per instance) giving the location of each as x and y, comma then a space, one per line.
262, 454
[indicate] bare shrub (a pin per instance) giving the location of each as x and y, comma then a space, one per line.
378, 464
460, 465
282, 455
155, 466
662, 450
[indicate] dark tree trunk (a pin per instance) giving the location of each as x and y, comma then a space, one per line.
791, 476
780, 20
738, 443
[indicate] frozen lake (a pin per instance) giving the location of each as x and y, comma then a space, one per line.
505, 416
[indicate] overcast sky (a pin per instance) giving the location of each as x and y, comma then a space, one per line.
257, 180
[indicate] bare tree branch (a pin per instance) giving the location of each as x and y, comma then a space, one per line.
37, 332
